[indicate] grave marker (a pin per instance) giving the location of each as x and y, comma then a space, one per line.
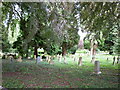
93, 59
114, 60
107, 59
11, 58
118, 58
97, 67
65, 62
19, 59
60, 58
80, 61
38, 59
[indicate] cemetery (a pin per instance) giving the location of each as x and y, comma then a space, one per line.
59, 45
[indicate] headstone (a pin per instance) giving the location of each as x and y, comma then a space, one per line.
107, 59
51, 62
93, 59
113, 60
41, 58
118, 58
80, 61
19, 59
49, 59
97, 67
38, 59
60, 58
65, 60
11, 58
29, 58
74, 58
35, 57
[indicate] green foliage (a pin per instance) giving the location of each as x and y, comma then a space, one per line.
48, 25
86, 44
73, 49
10, 83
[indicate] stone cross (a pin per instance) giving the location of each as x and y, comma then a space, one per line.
97, 67
113, 60
80, 61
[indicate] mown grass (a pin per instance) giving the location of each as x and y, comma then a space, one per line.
27, 74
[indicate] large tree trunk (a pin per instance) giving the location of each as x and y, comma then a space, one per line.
93, 51
35, 52
91, 48
81, 43
64, 48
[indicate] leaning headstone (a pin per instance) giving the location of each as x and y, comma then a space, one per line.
118, 58
19, 59
113, 60
97, 67
80, 61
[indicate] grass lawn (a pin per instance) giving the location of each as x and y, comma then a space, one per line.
27, 74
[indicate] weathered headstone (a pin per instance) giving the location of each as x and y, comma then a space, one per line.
19, 59
97, 67
80, 61
93, 59
11, 58
35, 57
38, 59
49, 59
74, 58
51, 62
118, 58
65, 60
41, 58
113, 60
60, 58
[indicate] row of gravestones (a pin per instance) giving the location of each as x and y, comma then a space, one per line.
18, 60
115, 59
50, 58
59, 57
96, 69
